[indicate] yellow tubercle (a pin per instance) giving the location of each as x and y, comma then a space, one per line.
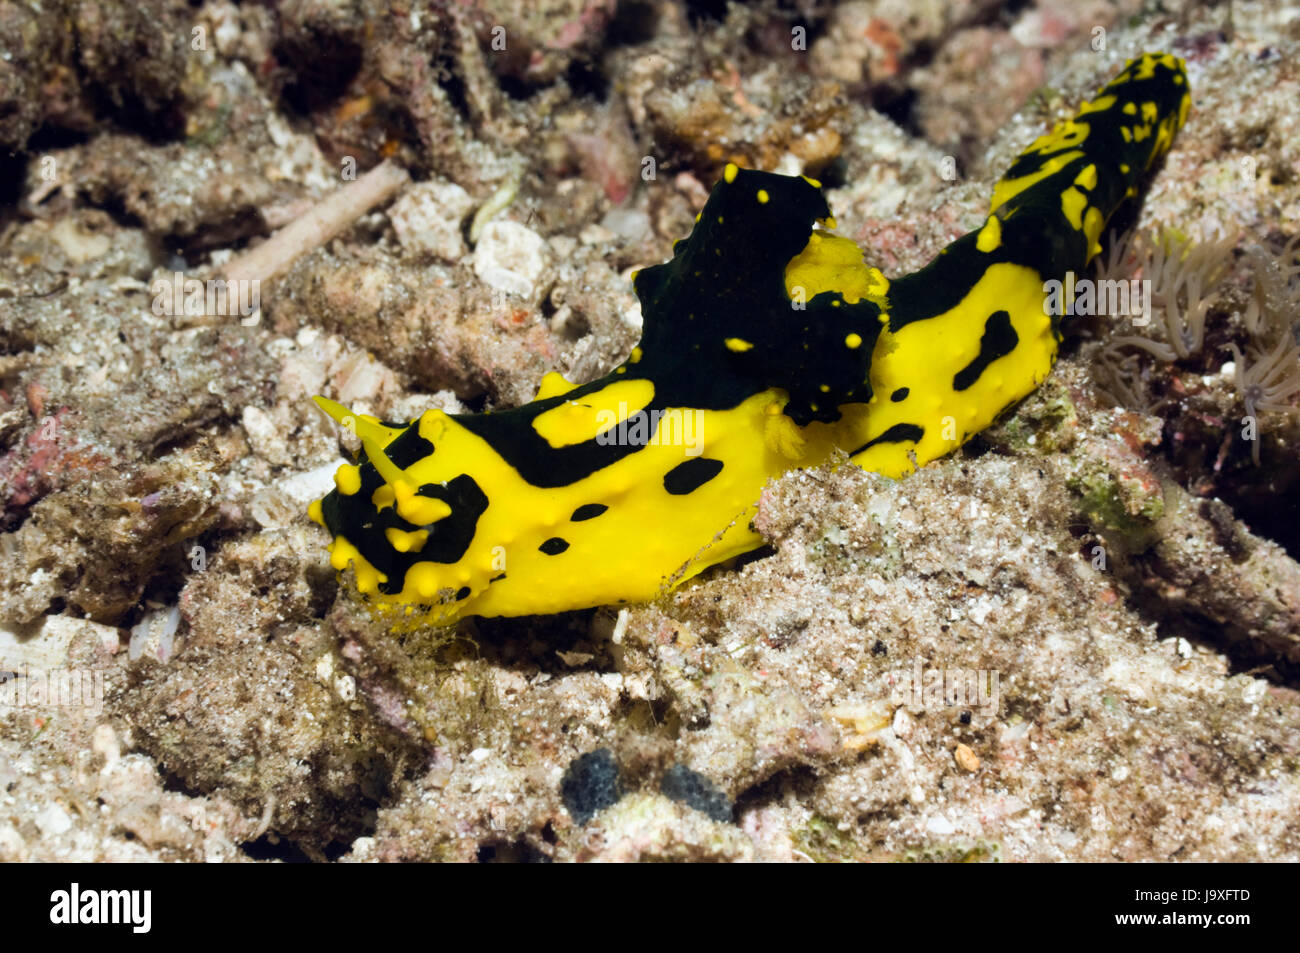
406, 542
348, 479
553, 385
990, 236
343, 553
418, 510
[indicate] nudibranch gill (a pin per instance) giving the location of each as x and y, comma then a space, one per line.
768, 345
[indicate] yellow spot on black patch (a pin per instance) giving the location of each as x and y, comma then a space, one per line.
763, 196
832, 263
578, 421
1073, 202
853, 340
1093, 223
739, 345
1007, 189
729, 173
1100, 104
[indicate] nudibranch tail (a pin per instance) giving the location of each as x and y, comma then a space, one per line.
768, 344
972, 333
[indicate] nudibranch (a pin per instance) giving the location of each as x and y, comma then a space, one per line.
768, 345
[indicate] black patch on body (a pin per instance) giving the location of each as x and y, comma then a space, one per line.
999, 340
898, 433
726, 280
554, 546
690, 476
899, 395
587, 511
408, 447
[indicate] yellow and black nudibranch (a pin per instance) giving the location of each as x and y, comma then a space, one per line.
768, 345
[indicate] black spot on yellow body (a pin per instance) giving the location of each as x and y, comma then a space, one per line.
554, 546
588, 511
690, 476
999, 340
899, 433
899, 395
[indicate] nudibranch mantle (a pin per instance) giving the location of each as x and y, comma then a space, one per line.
768, 345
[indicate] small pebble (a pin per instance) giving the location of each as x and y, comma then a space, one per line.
966, 759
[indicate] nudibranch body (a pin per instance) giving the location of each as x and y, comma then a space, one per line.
768, 345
